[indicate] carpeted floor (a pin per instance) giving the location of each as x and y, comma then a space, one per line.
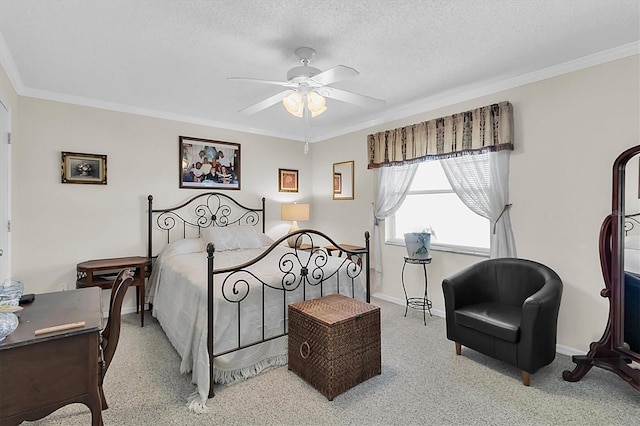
422, 382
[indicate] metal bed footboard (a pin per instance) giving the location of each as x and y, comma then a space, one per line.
298, 272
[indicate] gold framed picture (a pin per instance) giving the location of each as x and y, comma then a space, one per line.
84, 168
287, 180
337, 183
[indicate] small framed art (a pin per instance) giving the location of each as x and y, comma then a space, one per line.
337, 183
287, 180
84, 168
206, 163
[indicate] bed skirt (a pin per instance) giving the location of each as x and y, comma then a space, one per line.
197, 401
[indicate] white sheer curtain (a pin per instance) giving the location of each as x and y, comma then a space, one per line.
393, 184
482, 183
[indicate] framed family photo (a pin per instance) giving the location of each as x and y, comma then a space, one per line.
206, 164
287, 180
84, 168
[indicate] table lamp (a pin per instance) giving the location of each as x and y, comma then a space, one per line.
294, 212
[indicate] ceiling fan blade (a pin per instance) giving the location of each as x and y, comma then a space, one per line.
256, 80
350, 97
265, 103
337, 73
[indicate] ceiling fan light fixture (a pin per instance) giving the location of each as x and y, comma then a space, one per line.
316, 103
293, 103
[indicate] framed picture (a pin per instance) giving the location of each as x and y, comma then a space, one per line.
84, 168
287, 180
337, 183
206, 163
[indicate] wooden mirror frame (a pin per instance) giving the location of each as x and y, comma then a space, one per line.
343, 181
610, 352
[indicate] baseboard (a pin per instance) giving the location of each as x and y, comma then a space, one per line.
566, 350
561, 349
126, 310
402, 302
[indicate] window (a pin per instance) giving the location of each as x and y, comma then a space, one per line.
431, 202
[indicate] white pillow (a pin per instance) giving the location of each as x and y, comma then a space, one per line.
632, 242
232, 237
632, 261
265, 240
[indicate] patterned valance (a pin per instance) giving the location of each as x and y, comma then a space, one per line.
489, 128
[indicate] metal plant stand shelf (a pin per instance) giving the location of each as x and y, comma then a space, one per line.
420, 303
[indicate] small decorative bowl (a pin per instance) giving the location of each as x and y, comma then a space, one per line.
8, 323
11, 291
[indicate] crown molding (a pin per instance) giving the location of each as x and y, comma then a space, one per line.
414, 108
147, 112
7, 62
468, 93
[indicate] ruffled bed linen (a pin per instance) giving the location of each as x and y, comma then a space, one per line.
179, 296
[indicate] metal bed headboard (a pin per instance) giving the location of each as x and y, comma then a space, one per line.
212, 209
630, 222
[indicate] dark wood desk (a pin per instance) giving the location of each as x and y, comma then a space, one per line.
40, 374
102, 272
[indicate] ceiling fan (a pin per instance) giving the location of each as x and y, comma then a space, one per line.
307, 87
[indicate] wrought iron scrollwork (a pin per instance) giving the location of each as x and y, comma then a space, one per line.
630, 222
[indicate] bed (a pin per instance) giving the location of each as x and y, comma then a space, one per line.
632, 243
219, 287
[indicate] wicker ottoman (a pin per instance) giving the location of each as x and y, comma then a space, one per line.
334, 342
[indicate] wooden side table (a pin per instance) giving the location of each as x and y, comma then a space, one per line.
308, 247
358, 260
102, 272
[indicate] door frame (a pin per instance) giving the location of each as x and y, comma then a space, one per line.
5, 191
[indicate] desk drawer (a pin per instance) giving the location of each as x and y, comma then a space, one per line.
48, 373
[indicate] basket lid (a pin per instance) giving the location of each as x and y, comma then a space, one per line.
333, 309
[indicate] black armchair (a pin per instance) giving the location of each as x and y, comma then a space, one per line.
505, 308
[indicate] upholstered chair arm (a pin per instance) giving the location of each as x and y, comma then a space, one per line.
466, 287
538, 327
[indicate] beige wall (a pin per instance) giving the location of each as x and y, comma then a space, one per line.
569, 129
57, 225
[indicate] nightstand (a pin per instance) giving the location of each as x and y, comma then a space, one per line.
102, 272
358, 259
308, 247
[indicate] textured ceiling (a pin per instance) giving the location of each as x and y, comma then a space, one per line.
172, 58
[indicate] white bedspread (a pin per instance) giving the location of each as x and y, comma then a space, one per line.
179, 296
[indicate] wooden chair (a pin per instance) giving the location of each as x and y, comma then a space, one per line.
111, 331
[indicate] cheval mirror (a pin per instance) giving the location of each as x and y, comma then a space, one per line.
619, 348
343, 181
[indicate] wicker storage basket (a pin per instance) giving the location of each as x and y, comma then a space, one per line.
334, 342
